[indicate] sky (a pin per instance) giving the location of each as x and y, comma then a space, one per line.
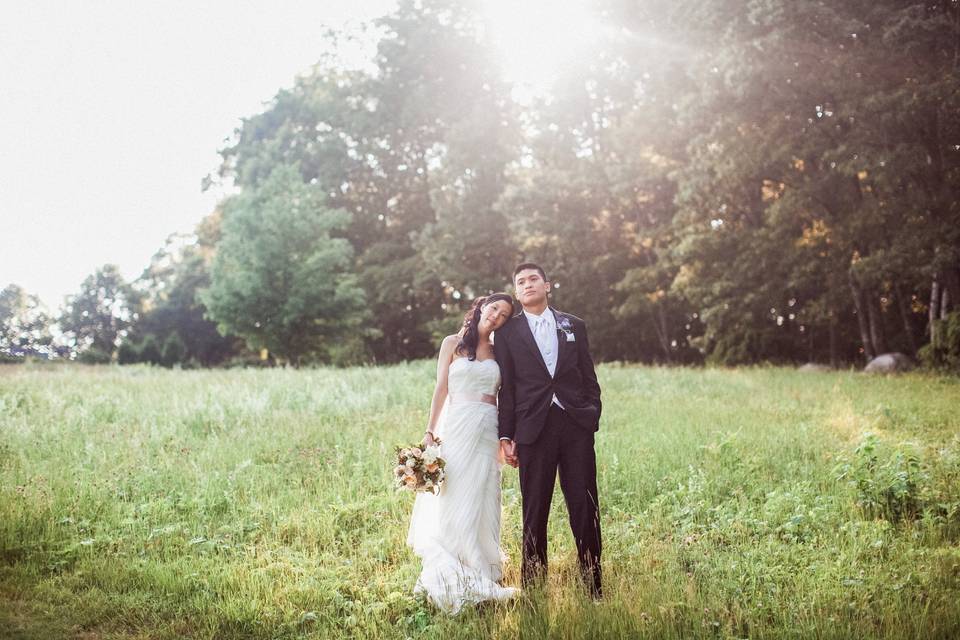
112, 113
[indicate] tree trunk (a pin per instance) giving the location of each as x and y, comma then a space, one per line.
861, 311
875, 322
905, 317
664, 330
833, 340
934, 310
661, 328
950, 291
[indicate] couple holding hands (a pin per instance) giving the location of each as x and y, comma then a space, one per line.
527, 396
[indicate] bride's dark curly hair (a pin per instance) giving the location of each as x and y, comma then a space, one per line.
471, 332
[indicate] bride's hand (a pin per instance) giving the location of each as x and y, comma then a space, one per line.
508, 451
428, 439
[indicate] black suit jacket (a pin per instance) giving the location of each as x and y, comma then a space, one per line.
526, 389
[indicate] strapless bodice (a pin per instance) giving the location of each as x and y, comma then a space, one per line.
474, 376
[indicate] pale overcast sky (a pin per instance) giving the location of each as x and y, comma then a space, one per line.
113, 111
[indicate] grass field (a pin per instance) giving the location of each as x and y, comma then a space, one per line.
760, 503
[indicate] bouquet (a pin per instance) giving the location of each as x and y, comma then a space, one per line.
419, 469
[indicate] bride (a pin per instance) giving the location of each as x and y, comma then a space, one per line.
457, 532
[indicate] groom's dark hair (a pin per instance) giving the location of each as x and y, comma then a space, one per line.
530, 265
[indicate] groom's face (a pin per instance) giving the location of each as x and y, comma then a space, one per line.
531, 288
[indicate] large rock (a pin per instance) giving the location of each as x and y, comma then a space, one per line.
889, 363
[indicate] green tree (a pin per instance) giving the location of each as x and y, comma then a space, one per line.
280, 279
171, 304
772, 181
415, 151
150, 350
173, 350
99, 316
814, 199
128, 352
24, 324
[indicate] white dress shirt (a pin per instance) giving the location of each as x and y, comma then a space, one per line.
544, 329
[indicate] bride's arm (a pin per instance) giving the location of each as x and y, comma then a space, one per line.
440, 390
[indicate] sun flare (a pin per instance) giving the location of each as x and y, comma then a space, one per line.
536, 40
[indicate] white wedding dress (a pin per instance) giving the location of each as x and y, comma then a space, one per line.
457, 532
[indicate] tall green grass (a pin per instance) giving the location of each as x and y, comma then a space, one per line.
760, 503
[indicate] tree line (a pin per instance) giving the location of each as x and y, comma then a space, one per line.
717, 181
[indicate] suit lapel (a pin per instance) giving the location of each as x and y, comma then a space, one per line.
562, 347
526, 337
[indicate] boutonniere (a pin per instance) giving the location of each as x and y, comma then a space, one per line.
564, 324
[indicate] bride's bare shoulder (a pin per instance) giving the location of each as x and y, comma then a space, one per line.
449, 344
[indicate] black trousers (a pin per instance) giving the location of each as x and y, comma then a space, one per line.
565, 446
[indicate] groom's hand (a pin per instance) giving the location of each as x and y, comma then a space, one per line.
509, 450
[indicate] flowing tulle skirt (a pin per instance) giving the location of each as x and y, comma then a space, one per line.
457, 533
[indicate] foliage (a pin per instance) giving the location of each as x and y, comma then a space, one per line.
280, 278
889, 484
769, 182
150, 350
415, 151
171, 305
100, 315
128, 352
24, 324
945, 353
173, 350
803, 210
737, 195
94, 355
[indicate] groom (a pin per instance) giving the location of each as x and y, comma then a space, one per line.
549, 409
